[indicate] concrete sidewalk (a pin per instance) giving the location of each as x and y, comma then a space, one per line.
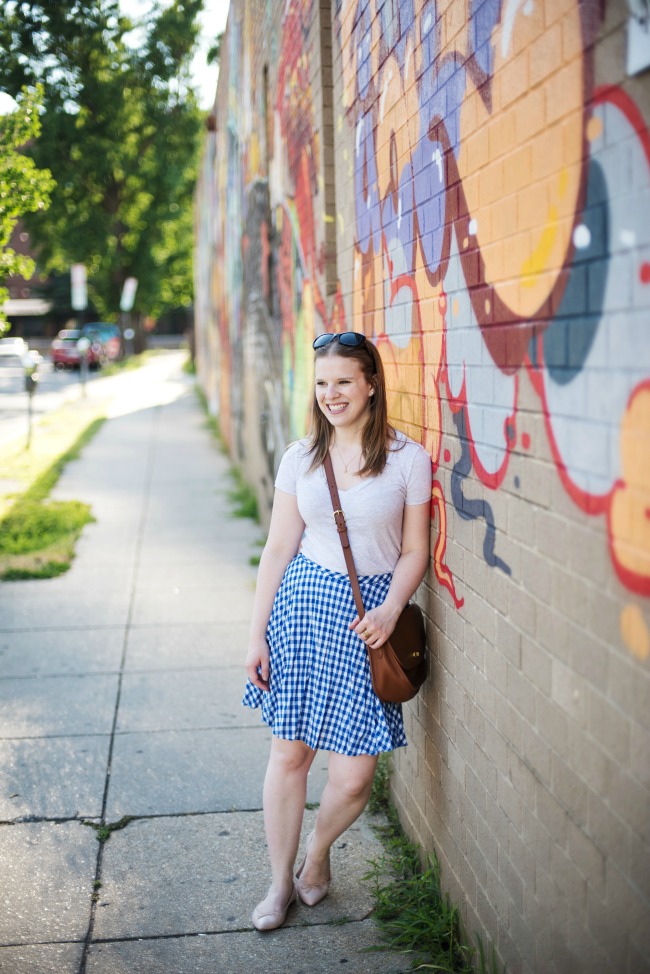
120, 688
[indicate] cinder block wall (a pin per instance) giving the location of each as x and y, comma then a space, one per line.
469, 184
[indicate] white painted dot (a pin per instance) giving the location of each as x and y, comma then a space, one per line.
582, 236
628, 238
473, 227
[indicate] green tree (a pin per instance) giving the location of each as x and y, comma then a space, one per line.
121, 133
23, 187
214, 53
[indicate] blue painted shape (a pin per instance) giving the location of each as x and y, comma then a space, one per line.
569, 338
469, 509
484, 15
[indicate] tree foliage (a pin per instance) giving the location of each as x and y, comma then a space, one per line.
214, 52
23, 187
121, 132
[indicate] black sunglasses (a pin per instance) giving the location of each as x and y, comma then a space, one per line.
350, 338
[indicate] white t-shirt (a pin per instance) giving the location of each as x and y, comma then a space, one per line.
373, 508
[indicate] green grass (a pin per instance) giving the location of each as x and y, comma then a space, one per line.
128, 363
379, 801
104, 830
37, 537
32, 525
413, 914
211, 421
243, 497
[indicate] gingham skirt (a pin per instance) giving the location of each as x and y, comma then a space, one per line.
320, 690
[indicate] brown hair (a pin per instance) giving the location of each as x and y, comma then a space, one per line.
377, 434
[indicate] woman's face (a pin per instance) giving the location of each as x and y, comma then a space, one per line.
342, 391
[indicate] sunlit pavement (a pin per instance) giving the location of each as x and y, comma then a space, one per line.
120, 688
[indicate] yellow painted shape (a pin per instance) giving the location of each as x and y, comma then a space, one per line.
404, 390
303, 364
594, 128
538, 261
544, 184
635, 633
629, 516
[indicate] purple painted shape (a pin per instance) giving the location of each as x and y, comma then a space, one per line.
398, 226
367, 205
362, 39
484, 15
429, 194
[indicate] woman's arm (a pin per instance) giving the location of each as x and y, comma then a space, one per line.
409, 572
285, 533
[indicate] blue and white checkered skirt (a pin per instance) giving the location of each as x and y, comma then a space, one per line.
320, 690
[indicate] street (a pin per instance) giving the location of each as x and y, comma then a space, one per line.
54, 389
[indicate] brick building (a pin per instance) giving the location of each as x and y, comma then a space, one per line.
469, 184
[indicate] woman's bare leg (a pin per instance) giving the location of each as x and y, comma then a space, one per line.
344, 798
285, 792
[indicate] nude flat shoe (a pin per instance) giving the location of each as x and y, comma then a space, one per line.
311, 895
273, 919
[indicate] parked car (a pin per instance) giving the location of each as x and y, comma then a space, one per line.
66, 355
13, 345
108, 335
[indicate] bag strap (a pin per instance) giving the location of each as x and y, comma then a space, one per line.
341, 527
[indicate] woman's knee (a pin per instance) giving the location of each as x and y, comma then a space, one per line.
290, 757
353, 776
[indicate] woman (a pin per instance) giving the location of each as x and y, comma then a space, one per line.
307, 663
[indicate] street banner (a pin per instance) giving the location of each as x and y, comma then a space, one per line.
78, 283
128, 293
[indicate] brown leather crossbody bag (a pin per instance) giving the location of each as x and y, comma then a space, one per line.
399, 667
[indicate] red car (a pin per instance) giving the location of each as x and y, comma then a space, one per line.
66, 355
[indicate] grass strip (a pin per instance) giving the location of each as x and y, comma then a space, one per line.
413, 914
38, 537
242, 495
129, 363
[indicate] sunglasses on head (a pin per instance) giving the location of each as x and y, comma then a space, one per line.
350, 338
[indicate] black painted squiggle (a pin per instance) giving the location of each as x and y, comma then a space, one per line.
468, 509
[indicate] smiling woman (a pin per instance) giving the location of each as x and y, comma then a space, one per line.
307, 662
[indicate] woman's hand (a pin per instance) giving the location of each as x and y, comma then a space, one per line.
377, 625
257, 663
285, 533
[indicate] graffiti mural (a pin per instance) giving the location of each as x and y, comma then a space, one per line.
493, 238
304, 311
468, 183
497, 239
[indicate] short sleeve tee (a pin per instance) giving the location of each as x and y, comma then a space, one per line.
373, 508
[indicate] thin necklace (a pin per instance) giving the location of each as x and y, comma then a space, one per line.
355, 457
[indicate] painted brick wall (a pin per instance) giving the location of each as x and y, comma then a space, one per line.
469, 184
